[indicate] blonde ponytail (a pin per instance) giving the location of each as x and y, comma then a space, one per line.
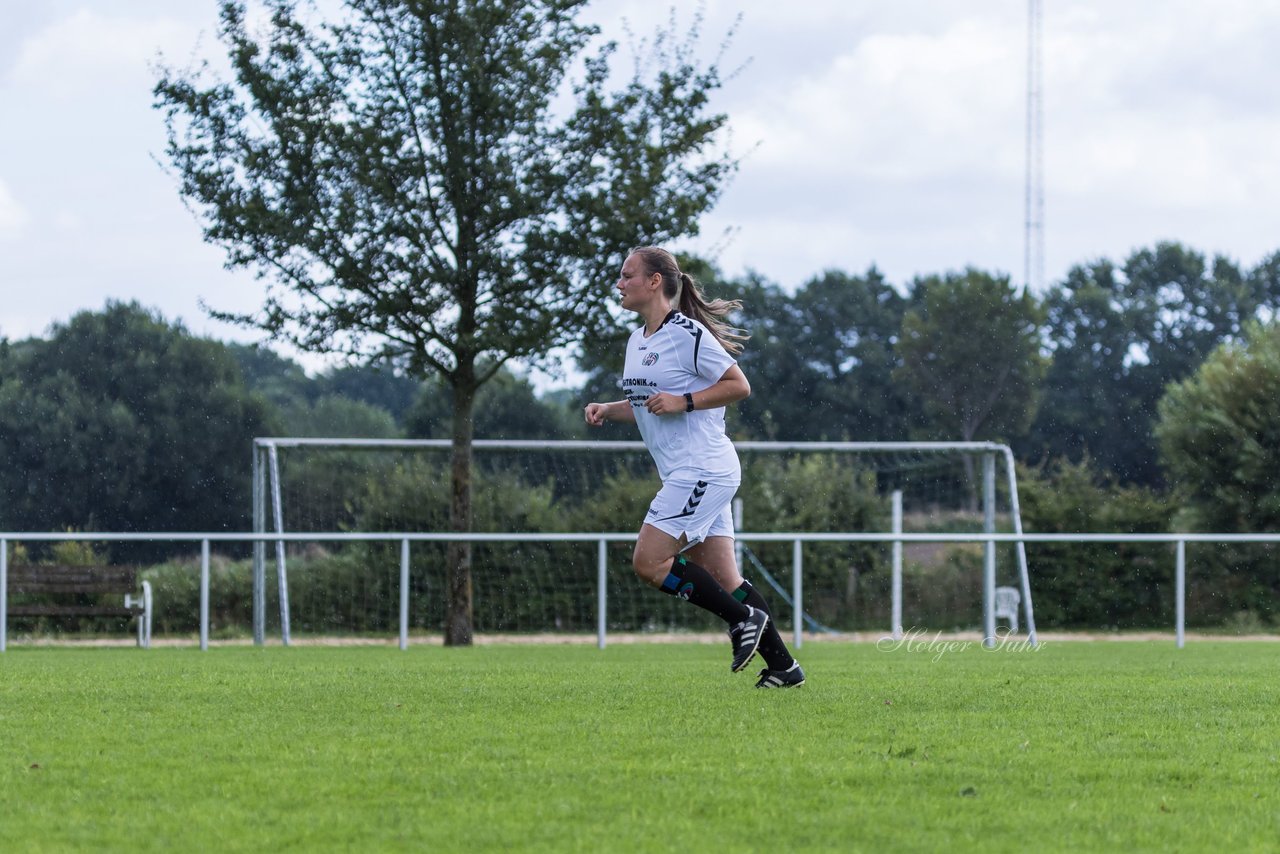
683, 290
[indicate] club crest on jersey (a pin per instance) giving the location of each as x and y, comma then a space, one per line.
649, 359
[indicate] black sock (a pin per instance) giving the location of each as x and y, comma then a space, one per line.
693, 583
772, 649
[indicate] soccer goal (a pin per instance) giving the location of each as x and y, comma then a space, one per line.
402, 486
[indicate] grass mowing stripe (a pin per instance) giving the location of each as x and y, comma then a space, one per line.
1075, 747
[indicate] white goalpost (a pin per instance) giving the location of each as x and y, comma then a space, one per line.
323, 485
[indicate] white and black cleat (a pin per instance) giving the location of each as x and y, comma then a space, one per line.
746, 636
792, 677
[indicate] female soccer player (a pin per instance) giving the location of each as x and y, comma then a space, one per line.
678, 378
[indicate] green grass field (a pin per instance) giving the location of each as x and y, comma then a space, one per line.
1077, 746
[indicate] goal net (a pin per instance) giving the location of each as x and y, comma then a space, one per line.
403, 486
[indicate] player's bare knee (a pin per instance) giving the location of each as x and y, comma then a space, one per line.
642, 568
648, 571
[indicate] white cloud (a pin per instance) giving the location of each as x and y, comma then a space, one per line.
1159, 125
889, 133
901, 106
68, 221
79, 53
13, 216
1164, 111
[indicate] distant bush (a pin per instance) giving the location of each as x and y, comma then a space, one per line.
1096, 585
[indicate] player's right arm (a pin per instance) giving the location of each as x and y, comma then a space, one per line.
618, 410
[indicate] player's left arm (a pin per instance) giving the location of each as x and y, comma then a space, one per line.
730, 388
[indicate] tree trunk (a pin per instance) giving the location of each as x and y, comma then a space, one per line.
459, 613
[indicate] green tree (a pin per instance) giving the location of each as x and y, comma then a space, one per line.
369, 394
1121, 334
281, 381
1219, 435
506, 408
417, 190
378, 386
121, 421
1086, 412
336, 417
971, 349
822, 359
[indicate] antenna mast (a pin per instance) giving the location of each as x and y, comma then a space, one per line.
1033, 269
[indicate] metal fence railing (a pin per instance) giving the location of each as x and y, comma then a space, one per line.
268, 495
798, 540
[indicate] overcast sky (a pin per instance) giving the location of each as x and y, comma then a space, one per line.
885, 133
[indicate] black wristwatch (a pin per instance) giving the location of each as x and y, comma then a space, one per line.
688, 402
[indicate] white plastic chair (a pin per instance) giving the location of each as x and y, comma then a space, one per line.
144, 619
1007, 601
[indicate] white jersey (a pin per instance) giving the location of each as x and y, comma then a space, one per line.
681, 356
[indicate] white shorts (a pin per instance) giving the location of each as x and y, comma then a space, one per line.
693, 510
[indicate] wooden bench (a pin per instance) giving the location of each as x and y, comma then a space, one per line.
45, 580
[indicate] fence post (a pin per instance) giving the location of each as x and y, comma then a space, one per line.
204, 595
404, 593
4, 594
895, 619
989, 551
602, 592
797, 590
259, 549
1180, 593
